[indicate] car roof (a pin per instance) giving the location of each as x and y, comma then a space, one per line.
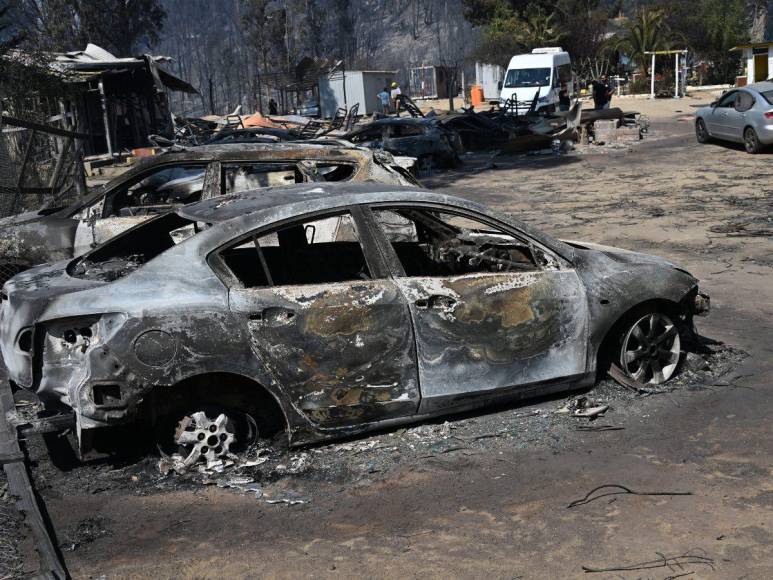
218, 150
762, 86
289, 201
325, 195
259, 152
250, 130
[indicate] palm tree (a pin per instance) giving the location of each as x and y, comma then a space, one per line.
648, 32
540, 28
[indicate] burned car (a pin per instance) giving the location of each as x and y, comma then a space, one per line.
424, 138
252, 135
177, 177
331, 309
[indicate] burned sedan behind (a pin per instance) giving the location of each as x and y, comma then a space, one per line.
424, 138
330, 309
177, 177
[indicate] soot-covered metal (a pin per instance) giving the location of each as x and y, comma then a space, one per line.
326, 309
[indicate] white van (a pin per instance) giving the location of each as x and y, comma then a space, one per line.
543, 70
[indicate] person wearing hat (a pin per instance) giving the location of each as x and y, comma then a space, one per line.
395, 96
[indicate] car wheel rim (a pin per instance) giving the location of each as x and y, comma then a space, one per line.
203, 438
701, 130
651, 349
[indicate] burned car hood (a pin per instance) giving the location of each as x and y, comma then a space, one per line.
622, 256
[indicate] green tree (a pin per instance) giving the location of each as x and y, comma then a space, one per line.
648, 32
709, 29
723, 28
540, 27
584, 24
503, 36
508, 30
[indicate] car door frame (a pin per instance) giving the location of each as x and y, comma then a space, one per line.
432, 405
405, 403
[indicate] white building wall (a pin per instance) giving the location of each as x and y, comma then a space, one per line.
361, 87
489, 76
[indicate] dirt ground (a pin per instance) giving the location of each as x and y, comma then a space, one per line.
490, 494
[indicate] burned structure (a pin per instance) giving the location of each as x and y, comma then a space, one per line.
115, 102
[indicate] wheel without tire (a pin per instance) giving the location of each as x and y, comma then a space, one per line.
701, 133
213, 433
750, 141
650, 349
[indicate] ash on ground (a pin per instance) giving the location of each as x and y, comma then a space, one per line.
11, 534
275, 475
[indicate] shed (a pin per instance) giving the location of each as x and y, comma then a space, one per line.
428, 82
345, 88
489, 77
117, 102
758, 59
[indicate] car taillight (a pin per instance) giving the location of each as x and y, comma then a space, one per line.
769, 115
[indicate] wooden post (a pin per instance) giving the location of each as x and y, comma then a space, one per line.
105, 117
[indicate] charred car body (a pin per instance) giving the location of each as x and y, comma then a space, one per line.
178, 177
424, 138
331, 309
252, 135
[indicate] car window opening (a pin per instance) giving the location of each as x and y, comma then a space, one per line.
128, 251
432, 243
372, 134
319, 251
156, 192
245, 177
335, 172
406, 130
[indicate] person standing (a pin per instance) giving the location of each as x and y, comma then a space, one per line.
608, 91
599, 93
272, 107
564, 102
395, 95
384, 97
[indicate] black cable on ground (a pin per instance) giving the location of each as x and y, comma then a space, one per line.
622, 491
